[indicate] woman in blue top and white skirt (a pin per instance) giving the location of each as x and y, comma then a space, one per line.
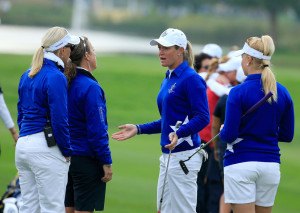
91, 161
183, 98
252, 158
43, 164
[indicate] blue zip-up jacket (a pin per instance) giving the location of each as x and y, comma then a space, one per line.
182, 97
45, 93
261, 129
88, 118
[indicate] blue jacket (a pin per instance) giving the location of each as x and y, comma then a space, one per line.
261, 129
45, 93
182, 97
88, 118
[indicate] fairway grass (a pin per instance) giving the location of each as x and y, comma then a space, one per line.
131, 84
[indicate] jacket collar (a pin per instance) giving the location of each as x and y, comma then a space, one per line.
86, 73
253, 77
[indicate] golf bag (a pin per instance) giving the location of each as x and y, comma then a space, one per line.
12, 197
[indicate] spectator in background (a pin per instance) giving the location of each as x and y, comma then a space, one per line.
213, 50
226, 78
43, 165
201, 63
6, 118
182, 97
91, 161
252, 141
219, 145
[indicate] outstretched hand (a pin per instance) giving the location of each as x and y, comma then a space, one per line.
129, 130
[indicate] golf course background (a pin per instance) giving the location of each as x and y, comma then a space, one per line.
131, 84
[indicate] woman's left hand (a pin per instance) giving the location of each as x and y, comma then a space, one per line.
173, 138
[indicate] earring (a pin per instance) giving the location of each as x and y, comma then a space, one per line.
247, 64
178, 54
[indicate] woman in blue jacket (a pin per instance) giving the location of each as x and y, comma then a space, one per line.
182, 97
42, 97
91, 161
252, 158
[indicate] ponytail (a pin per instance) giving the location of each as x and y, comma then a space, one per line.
268, 77
52, 35
188, 55
269, 83
37, 62
266, 46
70, 72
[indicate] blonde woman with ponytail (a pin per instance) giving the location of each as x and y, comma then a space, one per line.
43, 149
182, 98
252, 159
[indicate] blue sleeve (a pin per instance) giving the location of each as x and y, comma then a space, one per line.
151, 128
233, 115
197, 97
287, 123
95, 111
57, 100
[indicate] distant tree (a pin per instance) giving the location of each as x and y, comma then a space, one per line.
273, 7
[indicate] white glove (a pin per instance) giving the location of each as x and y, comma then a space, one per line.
203, 153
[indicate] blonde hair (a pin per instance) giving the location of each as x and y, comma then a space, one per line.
265, 45
214, 64
188, 54
52, 35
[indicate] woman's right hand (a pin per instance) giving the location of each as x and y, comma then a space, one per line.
129, 130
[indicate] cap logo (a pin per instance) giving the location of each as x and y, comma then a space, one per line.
164, 33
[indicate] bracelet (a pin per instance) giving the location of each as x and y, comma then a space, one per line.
138, 129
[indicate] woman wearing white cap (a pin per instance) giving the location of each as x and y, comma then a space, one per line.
182, 98
42, 158
209, 184
252, 159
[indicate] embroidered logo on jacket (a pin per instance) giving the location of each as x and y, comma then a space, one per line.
172, 88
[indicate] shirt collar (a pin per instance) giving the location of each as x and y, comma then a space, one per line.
178, 71
253, 77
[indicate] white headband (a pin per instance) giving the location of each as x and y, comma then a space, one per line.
253, 52
62, 42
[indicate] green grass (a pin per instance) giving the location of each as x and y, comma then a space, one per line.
131, 83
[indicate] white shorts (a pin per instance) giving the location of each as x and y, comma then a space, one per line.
251, 182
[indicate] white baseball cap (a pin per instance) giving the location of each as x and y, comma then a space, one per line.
232, 64
171, 37
212, 50
240, 76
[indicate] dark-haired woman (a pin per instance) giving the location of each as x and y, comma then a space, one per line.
91, 161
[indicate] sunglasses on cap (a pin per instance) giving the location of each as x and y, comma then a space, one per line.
72, 46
